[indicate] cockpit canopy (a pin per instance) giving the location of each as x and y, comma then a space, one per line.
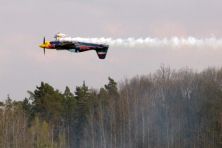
59, 36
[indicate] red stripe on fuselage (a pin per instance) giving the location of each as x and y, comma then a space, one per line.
85, 48
50, 47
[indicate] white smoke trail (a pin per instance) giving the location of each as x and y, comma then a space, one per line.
174, 42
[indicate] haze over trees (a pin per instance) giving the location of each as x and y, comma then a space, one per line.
167, 109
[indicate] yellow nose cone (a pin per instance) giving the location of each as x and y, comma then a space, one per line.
45, 45
42, 45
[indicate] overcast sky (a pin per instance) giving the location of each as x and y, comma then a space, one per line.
25, 22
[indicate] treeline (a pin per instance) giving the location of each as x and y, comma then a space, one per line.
167, 109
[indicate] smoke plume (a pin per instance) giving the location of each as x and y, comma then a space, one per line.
174, 42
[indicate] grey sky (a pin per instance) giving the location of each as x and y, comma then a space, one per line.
25, 22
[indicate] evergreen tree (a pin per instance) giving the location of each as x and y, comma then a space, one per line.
47, 103
82, 110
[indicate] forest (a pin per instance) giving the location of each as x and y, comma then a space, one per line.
166, 109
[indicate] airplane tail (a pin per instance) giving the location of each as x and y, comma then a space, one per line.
101, 52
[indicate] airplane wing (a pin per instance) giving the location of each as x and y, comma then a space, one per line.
68, 45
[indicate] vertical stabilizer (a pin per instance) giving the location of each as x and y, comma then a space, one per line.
102, 52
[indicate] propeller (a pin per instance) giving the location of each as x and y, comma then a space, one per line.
44, 44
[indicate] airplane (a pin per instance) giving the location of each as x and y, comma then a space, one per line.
74, 46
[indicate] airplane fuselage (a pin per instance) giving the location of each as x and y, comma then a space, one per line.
75, 46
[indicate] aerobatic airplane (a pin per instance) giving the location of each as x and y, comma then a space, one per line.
74, 46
